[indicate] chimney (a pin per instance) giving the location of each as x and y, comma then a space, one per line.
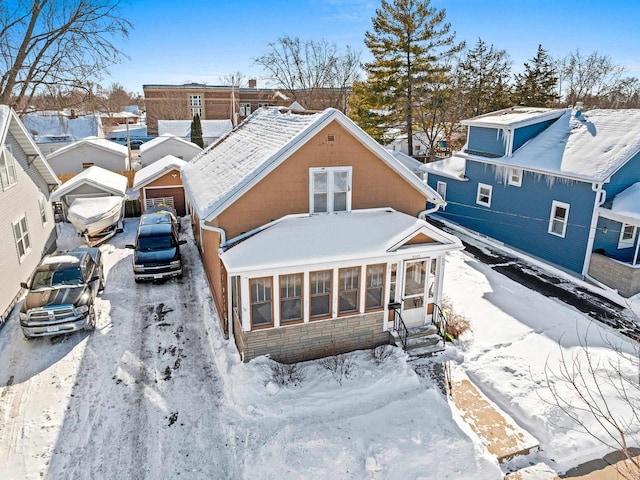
252, 83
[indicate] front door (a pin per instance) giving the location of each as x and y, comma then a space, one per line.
414, 292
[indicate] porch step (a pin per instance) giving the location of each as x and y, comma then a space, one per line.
422, 341
414, 343
422, 331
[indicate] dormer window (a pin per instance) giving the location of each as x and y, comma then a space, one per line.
330, 190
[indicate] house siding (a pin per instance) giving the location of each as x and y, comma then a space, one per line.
22, 200
72, 160
308, 341
487, 140
626, 176
286, 189
523, 134
519, 216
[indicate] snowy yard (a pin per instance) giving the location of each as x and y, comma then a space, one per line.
155, 392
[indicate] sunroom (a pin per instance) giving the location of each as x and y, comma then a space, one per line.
308, 286
615, 260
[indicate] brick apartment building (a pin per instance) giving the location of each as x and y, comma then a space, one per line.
211, 102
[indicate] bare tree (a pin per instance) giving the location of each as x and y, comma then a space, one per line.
313, 73
233, 79
588, 78
590, 383
55, 43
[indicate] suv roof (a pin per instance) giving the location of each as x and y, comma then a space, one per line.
148, 230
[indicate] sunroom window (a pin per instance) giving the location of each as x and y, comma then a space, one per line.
349, 294
291, 298
330, 190
375, 286
320, 286
261, 301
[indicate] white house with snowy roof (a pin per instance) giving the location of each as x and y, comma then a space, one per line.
167, 144
90, 151
94, 182
313, 238
212, 130
27, 227
558, 184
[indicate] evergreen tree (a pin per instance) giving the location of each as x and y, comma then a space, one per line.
196, 131
362, 109
537, 86
408, 42
482, 79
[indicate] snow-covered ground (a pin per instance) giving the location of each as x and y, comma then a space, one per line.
155, 392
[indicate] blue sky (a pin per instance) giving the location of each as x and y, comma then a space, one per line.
202, 40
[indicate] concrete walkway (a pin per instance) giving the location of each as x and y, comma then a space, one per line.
496, 430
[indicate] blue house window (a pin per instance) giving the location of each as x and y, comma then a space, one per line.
515, 177
484, 194
559, 218
627, 236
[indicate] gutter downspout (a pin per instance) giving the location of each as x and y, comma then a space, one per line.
601, 196
422, 215
223, 243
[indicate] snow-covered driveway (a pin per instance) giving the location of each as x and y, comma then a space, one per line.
138, 398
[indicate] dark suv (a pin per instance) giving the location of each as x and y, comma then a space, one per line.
62, 291
157, 248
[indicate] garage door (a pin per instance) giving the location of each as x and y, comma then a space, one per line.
172, 196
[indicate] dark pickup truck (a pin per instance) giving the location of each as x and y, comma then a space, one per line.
61, 293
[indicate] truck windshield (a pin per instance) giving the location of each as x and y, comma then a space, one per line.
57, 278
159, 242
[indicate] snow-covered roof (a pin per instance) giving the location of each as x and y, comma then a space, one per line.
156, 170
167, 137
411, 163
45, 125
452, 167
266, 138
312, 239
589, 146
625, 205
514, 117
182, 128
96, 176
101, 143
9, 122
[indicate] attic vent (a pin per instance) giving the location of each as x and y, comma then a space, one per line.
331, 137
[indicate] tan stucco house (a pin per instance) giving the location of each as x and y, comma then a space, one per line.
313, 236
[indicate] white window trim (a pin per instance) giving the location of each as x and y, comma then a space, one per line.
9, 162
627, 243
195, 100
329, 171
196, 111
24, 234
555, 204
478, 201
517, 171
245, 109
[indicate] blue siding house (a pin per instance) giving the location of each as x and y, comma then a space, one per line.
561, 185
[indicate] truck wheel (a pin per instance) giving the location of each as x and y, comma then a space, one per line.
91, 323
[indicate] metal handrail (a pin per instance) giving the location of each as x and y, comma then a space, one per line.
398, 324
440, 321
